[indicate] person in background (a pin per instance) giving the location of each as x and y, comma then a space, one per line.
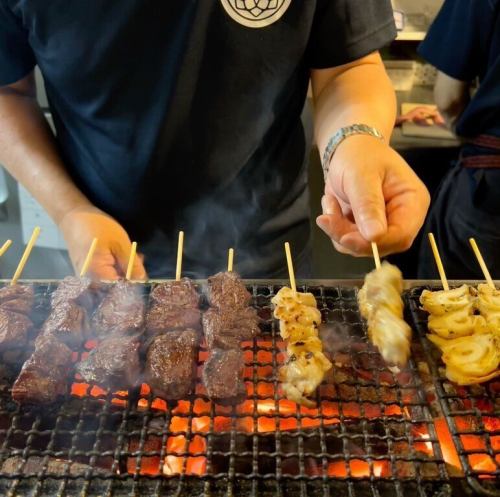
187, 115
464, 45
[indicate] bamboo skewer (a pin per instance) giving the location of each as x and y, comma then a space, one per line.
5, 247
376, 255
230, 260
131, 260
88, 259
480, 259
439, 263
290, 267
26, 254
180, 245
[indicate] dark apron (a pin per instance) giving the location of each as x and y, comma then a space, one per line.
467, 204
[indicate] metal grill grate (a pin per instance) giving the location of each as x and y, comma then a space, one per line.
372, 434
472, 413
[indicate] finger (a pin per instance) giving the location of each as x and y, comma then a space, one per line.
333, 222
367, 202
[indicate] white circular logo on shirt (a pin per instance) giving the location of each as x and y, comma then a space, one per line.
256, 13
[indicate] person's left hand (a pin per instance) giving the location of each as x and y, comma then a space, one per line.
372, 195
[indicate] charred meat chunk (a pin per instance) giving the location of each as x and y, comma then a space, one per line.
45, 374
75, 289
227, 328
14, 329
121, 311
180, 293
113, 364
223, 375
227, 291
17, 298
174, 306
170, 367
68, 323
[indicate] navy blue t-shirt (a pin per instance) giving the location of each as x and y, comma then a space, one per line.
185, 114
464, 43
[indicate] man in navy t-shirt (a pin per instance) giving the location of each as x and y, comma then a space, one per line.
187, 115
464, 45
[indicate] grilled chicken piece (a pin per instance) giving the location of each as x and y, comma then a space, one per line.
170, 368
381, 305
45, 375
459, 323
114, 364
488, 304
382, 287
391, 335
442, 302
306, 365
121, 311
226, 328
302, 374
223, 375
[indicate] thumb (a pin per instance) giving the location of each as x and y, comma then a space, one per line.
367, 202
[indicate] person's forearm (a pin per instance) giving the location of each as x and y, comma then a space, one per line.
360, 92
29, 153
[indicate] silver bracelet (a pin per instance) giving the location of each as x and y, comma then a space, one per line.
340, 136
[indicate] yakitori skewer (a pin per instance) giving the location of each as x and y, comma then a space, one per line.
230, 260
180, 246
289, 262
131, 260
439, 262
5, 247
376, 255
26, 254
480, 259
88, 259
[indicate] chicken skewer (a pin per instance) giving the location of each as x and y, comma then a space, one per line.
381, 305
470, 343
306, 365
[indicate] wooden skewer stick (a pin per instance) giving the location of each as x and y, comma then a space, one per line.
180, 245
88, 259
290, 267
131, 260
439, 263
5, 247
24, 258
480, 259
376, 255
230, 260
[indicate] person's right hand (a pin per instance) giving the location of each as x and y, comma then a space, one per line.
80, 226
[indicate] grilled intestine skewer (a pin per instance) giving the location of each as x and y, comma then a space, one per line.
380, 303
306, 365
470, 343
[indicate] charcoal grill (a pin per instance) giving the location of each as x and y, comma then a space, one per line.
373, 433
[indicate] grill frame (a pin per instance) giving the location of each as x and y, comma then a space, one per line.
232, 482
